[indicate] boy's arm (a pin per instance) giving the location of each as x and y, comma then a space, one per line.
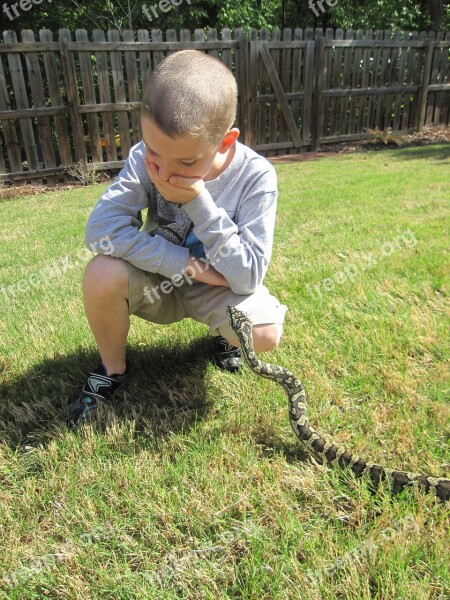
116, 217
239, 249
205, 273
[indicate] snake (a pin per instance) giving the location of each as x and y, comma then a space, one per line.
323, 450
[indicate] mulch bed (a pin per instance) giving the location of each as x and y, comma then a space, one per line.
428, 135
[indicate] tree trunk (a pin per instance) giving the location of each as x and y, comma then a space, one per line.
436, 13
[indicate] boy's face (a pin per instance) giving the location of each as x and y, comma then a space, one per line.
183, 156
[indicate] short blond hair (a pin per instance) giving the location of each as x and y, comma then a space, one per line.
191, 93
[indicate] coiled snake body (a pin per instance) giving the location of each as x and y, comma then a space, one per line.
324, 450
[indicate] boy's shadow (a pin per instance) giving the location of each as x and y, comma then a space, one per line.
165, 393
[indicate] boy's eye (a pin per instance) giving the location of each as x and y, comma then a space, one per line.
188, 164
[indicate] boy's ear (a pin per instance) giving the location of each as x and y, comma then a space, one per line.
228, 140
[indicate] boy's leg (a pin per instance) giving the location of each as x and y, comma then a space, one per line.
227, 354
208, 305
105, 290
113, 290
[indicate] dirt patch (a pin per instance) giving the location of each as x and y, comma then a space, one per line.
18, 190
428, 135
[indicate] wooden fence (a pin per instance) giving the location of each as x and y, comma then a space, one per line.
66, 100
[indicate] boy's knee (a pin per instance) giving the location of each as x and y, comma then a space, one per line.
266, 337
106, 275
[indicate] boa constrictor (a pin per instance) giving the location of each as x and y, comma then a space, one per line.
323, 450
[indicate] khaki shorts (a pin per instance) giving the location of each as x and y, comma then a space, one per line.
162, 300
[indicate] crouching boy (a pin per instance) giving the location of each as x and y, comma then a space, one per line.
207, 239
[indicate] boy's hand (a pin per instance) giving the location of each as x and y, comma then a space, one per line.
205, 273
177, 188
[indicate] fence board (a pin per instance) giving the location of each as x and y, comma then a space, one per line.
12, 145
73, 99
274, 126
145, 61
431, 100
393, 59
93, 139
242, 76
2, 162
328, 62
426, 82
120, 95
309, 88
373, 79
439, 79
355, 101
104, 91
317, 124
21, 100
54, 91
171, 36
335, 77
226, 52
253, 89
134, 94
38, 96
384, 82
297, 61
364, 104
445, 78
344, 107
409, 80
263, 104
212, 37
158, 55
285, 76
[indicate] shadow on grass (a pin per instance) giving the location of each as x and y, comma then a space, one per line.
270, 446
431, 152
165, 393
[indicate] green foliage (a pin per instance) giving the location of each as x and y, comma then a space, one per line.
375, 14
254, 13
380, 14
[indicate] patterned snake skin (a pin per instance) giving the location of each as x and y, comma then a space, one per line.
322, 449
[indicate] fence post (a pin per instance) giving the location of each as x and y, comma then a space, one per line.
317, 111
244, 86
425, 82
73, 99
252, 66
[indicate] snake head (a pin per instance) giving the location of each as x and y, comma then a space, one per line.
236, 317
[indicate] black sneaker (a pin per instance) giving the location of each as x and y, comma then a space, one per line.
98, 386
226, 356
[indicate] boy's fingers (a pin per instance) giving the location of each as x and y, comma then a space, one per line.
184, 181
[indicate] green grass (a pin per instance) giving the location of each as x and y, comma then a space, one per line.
194, 486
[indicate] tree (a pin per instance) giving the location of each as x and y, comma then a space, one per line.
192, 14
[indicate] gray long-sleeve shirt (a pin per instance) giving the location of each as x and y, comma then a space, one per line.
231, 223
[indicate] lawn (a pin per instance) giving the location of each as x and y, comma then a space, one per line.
194, 485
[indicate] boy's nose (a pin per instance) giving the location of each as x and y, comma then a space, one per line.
164, 172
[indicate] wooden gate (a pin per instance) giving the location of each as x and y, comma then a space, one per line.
281, 92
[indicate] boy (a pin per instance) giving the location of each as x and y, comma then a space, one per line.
207, 240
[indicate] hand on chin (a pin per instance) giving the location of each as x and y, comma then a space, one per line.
177, 188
